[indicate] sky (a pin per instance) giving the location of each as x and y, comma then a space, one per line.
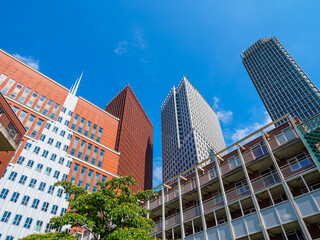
152, 44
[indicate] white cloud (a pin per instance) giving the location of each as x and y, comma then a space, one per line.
139, 38
224, 116
121, 47
28, 60
243, 132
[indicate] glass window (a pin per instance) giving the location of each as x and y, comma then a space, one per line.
32, 183
30, 163
5, 217
23, 179
35, 203
299, 161
13, 176
28, 223
39, 167
45, 206
15, 197
234, 161
17, 220
25, 200
242, 187
4, 193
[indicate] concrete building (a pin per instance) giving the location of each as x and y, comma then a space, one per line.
67, 138
11, 133
268, 188
134, 139
281, 83
190, 130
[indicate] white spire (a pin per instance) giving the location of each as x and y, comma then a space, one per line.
76, 85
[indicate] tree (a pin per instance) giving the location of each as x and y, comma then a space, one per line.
110, 213
50, 236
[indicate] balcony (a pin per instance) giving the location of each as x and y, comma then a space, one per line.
309, 204
265, 181
11, 129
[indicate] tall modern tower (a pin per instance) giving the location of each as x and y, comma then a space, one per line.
134, 139
281, 83
190, 130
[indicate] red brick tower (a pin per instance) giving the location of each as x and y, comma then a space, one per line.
134, 139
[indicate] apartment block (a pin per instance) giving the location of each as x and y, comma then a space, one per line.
267, 188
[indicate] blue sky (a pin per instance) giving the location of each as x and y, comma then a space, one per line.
152, 44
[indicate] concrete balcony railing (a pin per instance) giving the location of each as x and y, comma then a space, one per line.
237, 193
212, 204
297, 168
265, 181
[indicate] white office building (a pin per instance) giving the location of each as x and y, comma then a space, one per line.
190, 130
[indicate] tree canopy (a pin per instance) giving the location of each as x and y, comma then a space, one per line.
111, 213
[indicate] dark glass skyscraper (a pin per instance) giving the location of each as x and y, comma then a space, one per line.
281, 83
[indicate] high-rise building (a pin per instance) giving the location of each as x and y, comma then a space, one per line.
67, 138
281, 83
134, 139
190, 130
11, 133
267, 188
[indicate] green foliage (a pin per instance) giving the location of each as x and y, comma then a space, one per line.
50, 236
112, 212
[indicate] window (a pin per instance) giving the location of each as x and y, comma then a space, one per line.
4, 193
27, 146
59, 119
285, 135
58, 144
32, 183
45, 153
50, 141
17, 220
69, 136
212, 172
60, 191
42, 186
63, 109
45, 206
13, 176
65, 148
259, 150
51, 189
53, 157
56, 174
36, 150
5, 217
69, 163
38, 226
64, 177
20, 160
87, 186
42, 137
23, 179
54, 209
25, 200
70, 113
48, 171
63, 211
299, 161
48, 125
61, 160
39, 167
55, 129
66, 122
30, 164
62, 133
234, 161
28, 222
35, 203
15, 197
242, 186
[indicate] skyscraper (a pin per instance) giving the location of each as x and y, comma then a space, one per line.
67, 138
281, 83
190, 130
135, 138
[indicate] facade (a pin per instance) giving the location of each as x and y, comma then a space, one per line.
268, 188
134, 139
67, 138
281, 83
190, 130
11, 133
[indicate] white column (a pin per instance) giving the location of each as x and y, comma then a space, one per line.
181, 210
253, 196
148, 207
226, 207
287, 190
204, 224
163, 216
